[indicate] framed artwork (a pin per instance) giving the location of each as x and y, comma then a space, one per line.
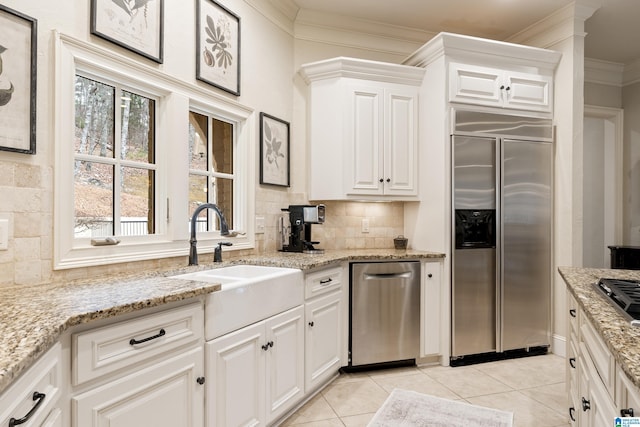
136, 25
274, 151
18, 65
217, 46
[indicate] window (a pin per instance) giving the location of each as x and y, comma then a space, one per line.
210, 169
114, 161
130, 140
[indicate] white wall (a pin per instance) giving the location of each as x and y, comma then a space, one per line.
631, 105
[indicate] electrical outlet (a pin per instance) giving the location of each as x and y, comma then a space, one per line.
260, 225
4, 234
365, 225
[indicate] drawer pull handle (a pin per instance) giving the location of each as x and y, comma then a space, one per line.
572, 362
311, 323
586, 404
571, 411
572, 312
200, 380
134, 341
39, 397
326, 281
626, 412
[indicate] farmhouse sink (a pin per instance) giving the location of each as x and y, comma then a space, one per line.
249, 293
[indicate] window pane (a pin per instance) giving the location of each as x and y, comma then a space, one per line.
93, 200
94, 117
222, 146
137, 137
197, 196
223, 192
198, 137
136, 205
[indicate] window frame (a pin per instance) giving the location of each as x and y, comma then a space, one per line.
174, 98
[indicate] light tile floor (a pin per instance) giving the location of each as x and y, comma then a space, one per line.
533, 388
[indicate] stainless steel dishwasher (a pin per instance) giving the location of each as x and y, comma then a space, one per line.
384, 313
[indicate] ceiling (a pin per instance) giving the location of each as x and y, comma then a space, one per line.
609, 31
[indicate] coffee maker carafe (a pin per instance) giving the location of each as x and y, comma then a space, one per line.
297, 236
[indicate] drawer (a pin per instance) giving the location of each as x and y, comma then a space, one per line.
598, 353
101, 351
39, 386
322, 282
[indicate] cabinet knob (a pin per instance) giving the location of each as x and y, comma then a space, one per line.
628, 412
311, 323
200, 380
388, 179
572, 312
429, 275
502, 87
267, 345
381, 180
508, 88
586, 404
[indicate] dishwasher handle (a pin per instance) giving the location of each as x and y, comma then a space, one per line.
387, 276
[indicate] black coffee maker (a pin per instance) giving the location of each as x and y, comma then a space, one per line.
297, 236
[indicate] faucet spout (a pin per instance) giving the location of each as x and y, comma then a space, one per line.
224, 229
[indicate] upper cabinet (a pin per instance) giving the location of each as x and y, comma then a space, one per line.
363, 129
473, 84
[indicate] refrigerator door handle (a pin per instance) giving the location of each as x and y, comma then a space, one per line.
500, 244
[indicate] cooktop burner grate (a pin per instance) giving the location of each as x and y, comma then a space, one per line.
624, 293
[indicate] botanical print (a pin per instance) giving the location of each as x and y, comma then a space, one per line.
274, 151
15, 83
218, 46
134, 24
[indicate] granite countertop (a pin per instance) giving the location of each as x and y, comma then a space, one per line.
34, 317
622, 339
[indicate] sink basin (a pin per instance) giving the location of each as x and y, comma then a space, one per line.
249, 293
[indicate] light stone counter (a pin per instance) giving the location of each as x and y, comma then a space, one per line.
622, 339
34, 317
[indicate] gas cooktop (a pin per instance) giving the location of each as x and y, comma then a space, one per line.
624, 295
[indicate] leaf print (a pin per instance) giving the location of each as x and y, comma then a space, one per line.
219, 45
273, 146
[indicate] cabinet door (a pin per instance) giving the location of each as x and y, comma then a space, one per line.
236, 378
431, 303
627, 395
322, 339
472, 84
165, 394
364, 138
527, 91
285, 362
400, 142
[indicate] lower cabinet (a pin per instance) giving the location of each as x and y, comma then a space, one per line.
256, 374
323, 343
165, 394
34, 400
431, 308
598, 389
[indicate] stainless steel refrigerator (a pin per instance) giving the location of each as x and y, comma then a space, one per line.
502, 177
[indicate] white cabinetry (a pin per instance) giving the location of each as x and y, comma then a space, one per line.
324, 330
34, 400
256, 374
432, 308
598, 389
143, 371
363, 129
477, 85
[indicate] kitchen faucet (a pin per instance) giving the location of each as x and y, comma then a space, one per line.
224, 231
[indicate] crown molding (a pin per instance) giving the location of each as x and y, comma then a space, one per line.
498, 52
361, 69
631, 73
560, 25
281, 13
356, 33
603, 72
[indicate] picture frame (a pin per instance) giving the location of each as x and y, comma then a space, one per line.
274, 151
136, 25
18, 77
217, 46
